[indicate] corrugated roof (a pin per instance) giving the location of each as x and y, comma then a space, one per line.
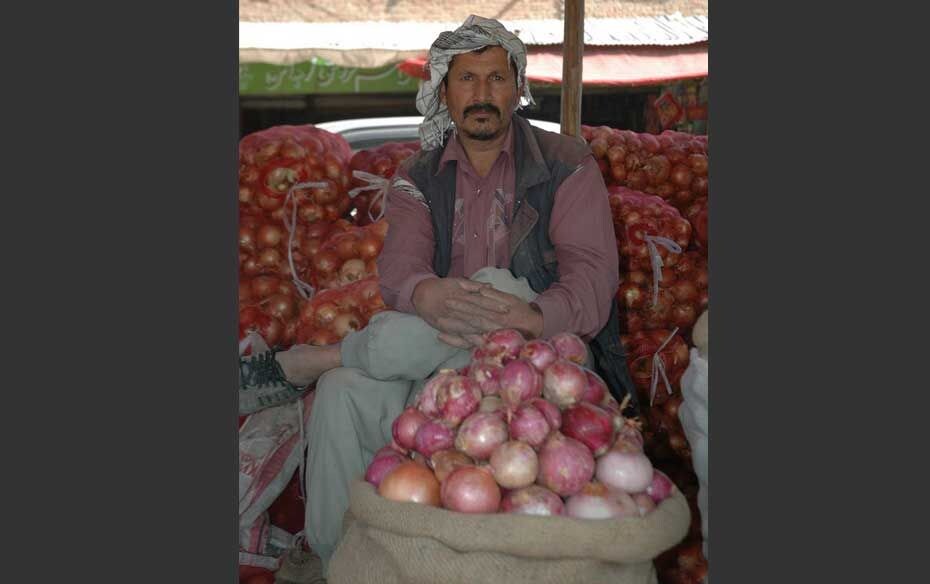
454, 10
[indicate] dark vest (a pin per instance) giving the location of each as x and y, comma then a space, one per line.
543, 160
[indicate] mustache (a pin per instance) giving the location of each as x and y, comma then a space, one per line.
482, 107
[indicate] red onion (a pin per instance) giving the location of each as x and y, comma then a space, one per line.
432, 437
446, 461
405, 427
381, 465
519, 381
491, 403
426, 401
589, 424
514, 465
486, 374
389, 450
540, 353
457, 399
596, 390
500, 346
529, 425
564, 383
644, 503
470, 489
630, 472
549, 410
480, 434
661, 486
565, 464
595, 501
532, 500
570, 346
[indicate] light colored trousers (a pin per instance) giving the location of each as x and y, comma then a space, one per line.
384, 366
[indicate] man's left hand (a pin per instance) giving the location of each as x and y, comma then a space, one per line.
492, 309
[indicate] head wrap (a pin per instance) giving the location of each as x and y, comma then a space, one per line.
476, 32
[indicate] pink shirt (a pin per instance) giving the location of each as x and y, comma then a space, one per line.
580, 228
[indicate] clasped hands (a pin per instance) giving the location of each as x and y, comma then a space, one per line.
463, 310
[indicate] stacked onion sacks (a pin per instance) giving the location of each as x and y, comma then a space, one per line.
525, 428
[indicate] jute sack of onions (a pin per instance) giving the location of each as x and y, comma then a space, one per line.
388, 542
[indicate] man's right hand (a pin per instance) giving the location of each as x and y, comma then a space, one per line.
429, 300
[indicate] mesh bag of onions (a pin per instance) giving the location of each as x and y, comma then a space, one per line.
371, 169
519, 466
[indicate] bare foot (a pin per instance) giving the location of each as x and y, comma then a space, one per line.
303, 364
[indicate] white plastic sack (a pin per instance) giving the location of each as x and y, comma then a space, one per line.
693, 416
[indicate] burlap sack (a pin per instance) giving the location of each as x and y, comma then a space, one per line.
385, 542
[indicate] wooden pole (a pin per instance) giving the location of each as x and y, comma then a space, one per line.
572, 53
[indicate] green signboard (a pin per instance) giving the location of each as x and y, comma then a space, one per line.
318, 76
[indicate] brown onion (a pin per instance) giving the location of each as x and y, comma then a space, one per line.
410, 482
445, 461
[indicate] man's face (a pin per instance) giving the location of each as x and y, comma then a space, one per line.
481, 93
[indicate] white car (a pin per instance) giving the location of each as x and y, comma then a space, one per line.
366, 133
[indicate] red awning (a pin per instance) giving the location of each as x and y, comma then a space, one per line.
627, 65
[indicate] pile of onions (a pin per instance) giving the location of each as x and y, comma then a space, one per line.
332, 314
269, 305
672, 165
381, 161
546, 439
347, 255
641, 349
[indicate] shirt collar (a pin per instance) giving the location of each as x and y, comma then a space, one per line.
455, 151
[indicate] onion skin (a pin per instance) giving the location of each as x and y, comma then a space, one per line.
589, 424
514, 465
624, 471
480, 434
532, 500
445, 461
457, 399
405, 426
564, 382
519, 381
565, 465
491, 403
486, 374
411, 482
529, 425
500, 346
426, 401
540, 353
470, 489
432, 437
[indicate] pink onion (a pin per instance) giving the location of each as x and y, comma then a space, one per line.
491, 403
486, 374
564, 383
644, 503
529, 425
589, 424
514, 465
389, 450
519, 381
661, 486
426, 401
470, 489
540, 353
433, 436
595, 501
532, 500
405, 426
571, 347
457, 399
565, 464
630, 472
499, 346
550, 410
480, 434
446, 461
596, 389
381, 465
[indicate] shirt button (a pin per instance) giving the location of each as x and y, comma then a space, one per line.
475, 235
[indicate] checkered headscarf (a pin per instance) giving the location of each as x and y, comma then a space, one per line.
475, 32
